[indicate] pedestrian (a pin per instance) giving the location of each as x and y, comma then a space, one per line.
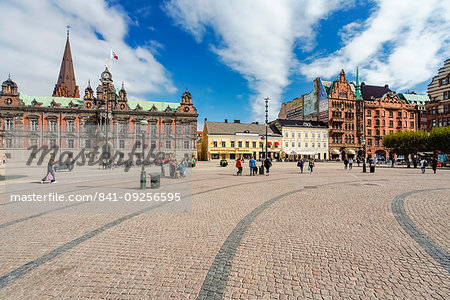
163, 172
50, 174
300, 165
252, 165
311, 165
434, 163
350, 163
423, 165
239, 167
345, 163
358, 161
267, 164
4, 159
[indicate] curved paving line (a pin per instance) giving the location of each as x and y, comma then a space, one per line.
24, 269
213, 286
10, 223
434, 250
7, 224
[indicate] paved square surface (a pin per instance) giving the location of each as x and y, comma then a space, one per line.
333, 234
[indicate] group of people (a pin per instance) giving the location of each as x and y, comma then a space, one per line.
252, 166
176, 170
348, 164
424, 164
302, 162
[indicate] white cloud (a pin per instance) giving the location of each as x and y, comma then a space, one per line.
255, 37
401, 44
33, 38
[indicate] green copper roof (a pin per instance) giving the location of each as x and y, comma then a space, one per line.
46, 100
358, 86
147, 105
64, 101
416, 99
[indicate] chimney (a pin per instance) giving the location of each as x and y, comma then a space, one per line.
226, 120
237, 121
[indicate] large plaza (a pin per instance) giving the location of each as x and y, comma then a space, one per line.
333, 234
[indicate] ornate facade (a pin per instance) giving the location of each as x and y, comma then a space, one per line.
100, 117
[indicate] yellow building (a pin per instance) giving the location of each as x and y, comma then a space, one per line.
238, 140
302, 139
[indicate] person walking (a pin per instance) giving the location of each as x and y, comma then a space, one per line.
50, 174
311, 165
345, 163
239, 167
358, 161
252, 165
434, 163
267, 165
300, 165
350, 163
423, 165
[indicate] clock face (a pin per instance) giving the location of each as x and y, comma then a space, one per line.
186, 109
88, 105
122, 106
106, 75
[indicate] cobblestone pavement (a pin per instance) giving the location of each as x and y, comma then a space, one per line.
334, 234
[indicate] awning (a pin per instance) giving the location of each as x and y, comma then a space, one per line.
351, 152
335, 151
276, 143
269, 143
307, 153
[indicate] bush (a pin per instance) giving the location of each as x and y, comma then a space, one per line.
223, 163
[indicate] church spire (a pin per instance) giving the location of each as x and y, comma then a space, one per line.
66, 85
358, 86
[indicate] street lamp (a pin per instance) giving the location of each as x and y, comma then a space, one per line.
267, 121
143, 174
363, 142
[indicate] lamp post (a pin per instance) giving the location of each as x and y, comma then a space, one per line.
363, 142
267, 121
143, 174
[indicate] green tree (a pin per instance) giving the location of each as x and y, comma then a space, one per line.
406, 143
439, 139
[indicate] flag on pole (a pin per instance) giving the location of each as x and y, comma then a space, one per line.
114, 55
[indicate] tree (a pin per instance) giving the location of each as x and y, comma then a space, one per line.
439, 139
406, 143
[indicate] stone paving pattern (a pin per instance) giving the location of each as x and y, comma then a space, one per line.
335, 237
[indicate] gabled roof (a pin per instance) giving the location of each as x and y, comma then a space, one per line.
415, 99
147, 105
47, 100
301, 123
218, 128
370, 92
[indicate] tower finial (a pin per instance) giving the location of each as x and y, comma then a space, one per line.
122, 85
89, 82
9, 75
68, 28
358, 86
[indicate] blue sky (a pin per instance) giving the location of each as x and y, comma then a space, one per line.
229, 54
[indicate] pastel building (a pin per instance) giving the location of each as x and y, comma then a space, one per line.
302, 139
226, 140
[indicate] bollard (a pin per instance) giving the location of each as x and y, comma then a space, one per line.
364, 168
143, 180
372, 169
261, 170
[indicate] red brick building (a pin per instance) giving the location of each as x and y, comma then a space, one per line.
386, 115
344, 113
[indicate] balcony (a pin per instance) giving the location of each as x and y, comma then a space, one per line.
337, 119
